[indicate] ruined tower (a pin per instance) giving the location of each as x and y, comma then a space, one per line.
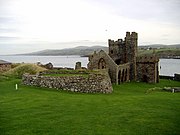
125, 51
122, 62
131, 51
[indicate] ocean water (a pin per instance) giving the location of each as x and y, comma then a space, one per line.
169, 67
166, 66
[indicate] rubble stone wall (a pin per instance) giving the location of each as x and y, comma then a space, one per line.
5, 67
93, 83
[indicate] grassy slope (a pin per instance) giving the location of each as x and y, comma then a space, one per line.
19, 70
129, 110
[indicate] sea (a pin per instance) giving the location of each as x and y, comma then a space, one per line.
167, 67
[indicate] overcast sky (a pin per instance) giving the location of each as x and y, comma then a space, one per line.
32, 25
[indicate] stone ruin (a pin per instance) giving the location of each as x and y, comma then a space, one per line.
47, 66
120, 65
122, 62
5, 66
94, 82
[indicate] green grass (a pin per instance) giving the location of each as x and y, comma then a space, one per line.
20, 69
129, 110
84, 75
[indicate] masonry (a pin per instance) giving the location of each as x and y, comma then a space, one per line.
122, 62
5, 66
93, 83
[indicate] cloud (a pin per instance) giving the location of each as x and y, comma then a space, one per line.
163, 10
6, 19
8, 38
46, 24
8, 25
7, 30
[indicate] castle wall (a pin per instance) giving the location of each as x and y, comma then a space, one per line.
107, 63
131, 52
123, 64
94, 83
124, 51
122, 73
116, 50
147, 69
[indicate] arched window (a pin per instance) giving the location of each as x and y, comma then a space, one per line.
123, 75
101, 64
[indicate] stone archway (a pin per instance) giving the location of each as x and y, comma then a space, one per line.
101, 64
126, 75
123, 75
145, 78
119, 77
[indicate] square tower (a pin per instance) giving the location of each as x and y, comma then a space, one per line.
125, 51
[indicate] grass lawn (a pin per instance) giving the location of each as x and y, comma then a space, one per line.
84, 75
131, 109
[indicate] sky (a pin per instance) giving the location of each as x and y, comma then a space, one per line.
34, 25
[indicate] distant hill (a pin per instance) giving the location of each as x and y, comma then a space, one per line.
80, 50
85, 51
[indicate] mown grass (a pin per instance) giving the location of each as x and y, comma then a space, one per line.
84, 75
129, 110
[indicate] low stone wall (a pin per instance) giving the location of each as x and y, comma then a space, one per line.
5, 67
166, 77
94, 83
177, 77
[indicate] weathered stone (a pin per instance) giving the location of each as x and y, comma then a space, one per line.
5, 66
122, 62
78, 66
99, 83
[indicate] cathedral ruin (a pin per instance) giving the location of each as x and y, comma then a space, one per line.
123, 64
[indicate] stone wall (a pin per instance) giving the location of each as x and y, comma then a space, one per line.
122, 74
123, 64
125, 51
147, 69
78, 66
177, 77
5, 67
102, 60
93, 83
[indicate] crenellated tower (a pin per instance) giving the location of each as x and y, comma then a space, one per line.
122, 62
125, 51
131, 52
116, 50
